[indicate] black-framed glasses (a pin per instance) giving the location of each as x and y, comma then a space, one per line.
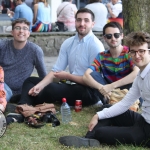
109, 36
140, 52
19, 28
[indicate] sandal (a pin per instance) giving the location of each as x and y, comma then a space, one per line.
34, 121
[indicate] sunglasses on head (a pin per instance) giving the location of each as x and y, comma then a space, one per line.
109, 36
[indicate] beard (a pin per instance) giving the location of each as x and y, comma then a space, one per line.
84, 33
114, 46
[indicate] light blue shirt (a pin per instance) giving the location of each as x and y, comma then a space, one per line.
43, 13
23, 11
78, 54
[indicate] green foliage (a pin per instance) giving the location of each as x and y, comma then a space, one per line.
22, 137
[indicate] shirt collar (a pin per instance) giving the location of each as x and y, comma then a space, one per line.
85, 38
145, 71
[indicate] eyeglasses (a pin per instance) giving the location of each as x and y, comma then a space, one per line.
19, 28
140, 52
109, 36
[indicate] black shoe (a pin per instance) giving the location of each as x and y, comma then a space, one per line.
14, 117
49, 117
78, 141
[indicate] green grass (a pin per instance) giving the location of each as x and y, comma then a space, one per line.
22, 137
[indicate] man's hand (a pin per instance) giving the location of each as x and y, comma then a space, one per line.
35, 90
106, 89
93, 122
10, 13
107, 96
61, 75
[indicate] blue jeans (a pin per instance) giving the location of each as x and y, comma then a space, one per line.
8, 91
99, 78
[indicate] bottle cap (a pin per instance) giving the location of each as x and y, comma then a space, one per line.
63, 99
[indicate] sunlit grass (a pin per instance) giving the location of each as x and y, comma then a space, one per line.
22, 137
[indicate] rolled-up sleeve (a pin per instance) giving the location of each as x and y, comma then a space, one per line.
62, 60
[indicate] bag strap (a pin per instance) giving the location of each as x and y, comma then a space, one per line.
61, 10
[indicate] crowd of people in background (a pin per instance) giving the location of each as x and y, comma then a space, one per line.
38, 13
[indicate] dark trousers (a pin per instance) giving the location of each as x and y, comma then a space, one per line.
127, 128
98, 77
55, 92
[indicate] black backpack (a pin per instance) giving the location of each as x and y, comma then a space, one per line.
58, 27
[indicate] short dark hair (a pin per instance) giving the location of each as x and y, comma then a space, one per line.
20, 20
85, 10
113, 25
137, 39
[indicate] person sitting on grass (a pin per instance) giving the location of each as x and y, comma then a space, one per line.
77, 53
112, 68
18, 57
117, 124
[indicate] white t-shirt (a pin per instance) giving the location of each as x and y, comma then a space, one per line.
116, 9
100, 12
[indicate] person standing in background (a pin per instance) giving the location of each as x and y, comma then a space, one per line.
66, 14
42, 20
100, 12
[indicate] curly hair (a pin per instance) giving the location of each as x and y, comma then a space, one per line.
137, 39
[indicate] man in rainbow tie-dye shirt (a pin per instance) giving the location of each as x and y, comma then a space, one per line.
112, 68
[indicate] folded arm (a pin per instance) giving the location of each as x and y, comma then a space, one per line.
89, 80
124, 81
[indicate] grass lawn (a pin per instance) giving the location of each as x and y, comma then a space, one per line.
22, 137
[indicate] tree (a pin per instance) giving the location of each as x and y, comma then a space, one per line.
136, 14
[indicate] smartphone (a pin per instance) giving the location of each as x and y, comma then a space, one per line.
9, 14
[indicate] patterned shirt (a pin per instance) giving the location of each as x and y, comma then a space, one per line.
111, 68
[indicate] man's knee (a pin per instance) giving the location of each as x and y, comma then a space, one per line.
33, 80
98, 77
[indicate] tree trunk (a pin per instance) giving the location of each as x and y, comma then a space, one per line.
136, 14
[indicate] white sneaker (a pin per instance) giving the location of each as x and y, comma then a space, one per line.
98, 104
